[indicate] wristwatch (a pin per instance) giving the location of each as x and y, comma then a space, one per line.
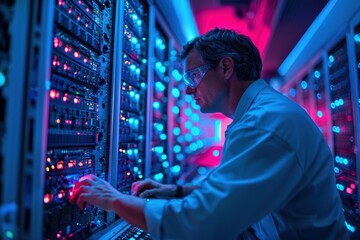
179, 191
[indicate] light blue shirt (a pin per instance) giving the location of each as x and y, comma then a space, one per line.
276, 174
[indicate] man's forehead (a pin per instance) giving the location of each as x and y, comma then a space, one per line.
193, 60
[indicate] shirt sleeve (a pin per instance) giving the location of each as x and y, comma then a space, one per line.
258, 174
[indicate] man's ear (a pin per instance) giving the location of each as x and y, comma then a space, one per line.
227, 65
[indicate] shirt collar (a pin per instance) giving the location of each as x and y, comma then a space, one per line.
247, 98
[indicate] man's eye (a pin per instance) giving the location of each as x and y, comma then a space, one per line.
195, 75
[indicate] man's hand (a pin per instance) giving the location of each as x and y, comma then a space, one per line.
150, 189
93, 190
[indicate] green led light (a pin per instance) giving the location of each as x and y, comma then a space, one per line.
9, 234
2, 79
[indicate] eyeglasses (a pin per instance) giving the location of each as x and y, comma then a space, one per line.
193, 77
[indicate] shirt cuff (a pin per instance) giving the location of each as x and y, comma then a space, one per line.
153, 214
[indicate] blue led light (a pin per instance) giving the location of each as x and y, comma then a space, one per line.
216, 153
193, 146
304, 84
188, 111
180, 157
317, 74
134, 40
318, 96
350, 227
188, 124
195, 117
357, 38
159, 126
143, 85
319, 114
163, 136
136, 169
200, 143
188, 98
331, 59
158, 176
165, 164
176, 75
175, 92
336, 170
336, 129
176, 131
175, 169
177, 148
292, 92
175, 110
195, 131
156, 105
340, 187
188, 137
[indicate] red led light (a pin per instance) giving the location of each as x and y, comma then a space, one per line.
57, 42
352, 186
47, 198
85, 59
61, 2
81, 164
349, 190
65, 97
67, 48
87, 24
70, 10
78, 17
349, 118
58, 235
76, 54
60, 165
52, 94
76, 100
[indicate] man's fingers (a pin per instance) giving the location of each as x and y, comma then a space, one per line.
149, 193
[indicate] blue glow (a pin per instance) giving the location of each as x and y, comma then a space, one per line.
216, 153
175, 110
163, 136
160, 87
194, 105
158, 149
188, 124
318, 96
336, 129
200, 143
357, 38
134, 40
188, 98
336, 170
165, 164
162, 69
193, 146
180, 157
158, 177
217, 130
143, 85
188, 137
195, 131
159, 126
317, 74
319, 114
139, 22
188, 111
176, 131
331, 59
350, 227
340, 187
175, 169
292, 92
332, 105
176, 75
304, 84
175, 92
163, 157
195, 117
177, 148
156, 105
134, 16
141, 176
136, 169
158, 65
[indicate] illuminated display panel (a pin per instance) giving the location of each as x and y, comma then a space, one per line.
343, 134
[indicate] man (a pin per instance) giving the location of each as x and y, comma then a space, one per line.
276, 171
